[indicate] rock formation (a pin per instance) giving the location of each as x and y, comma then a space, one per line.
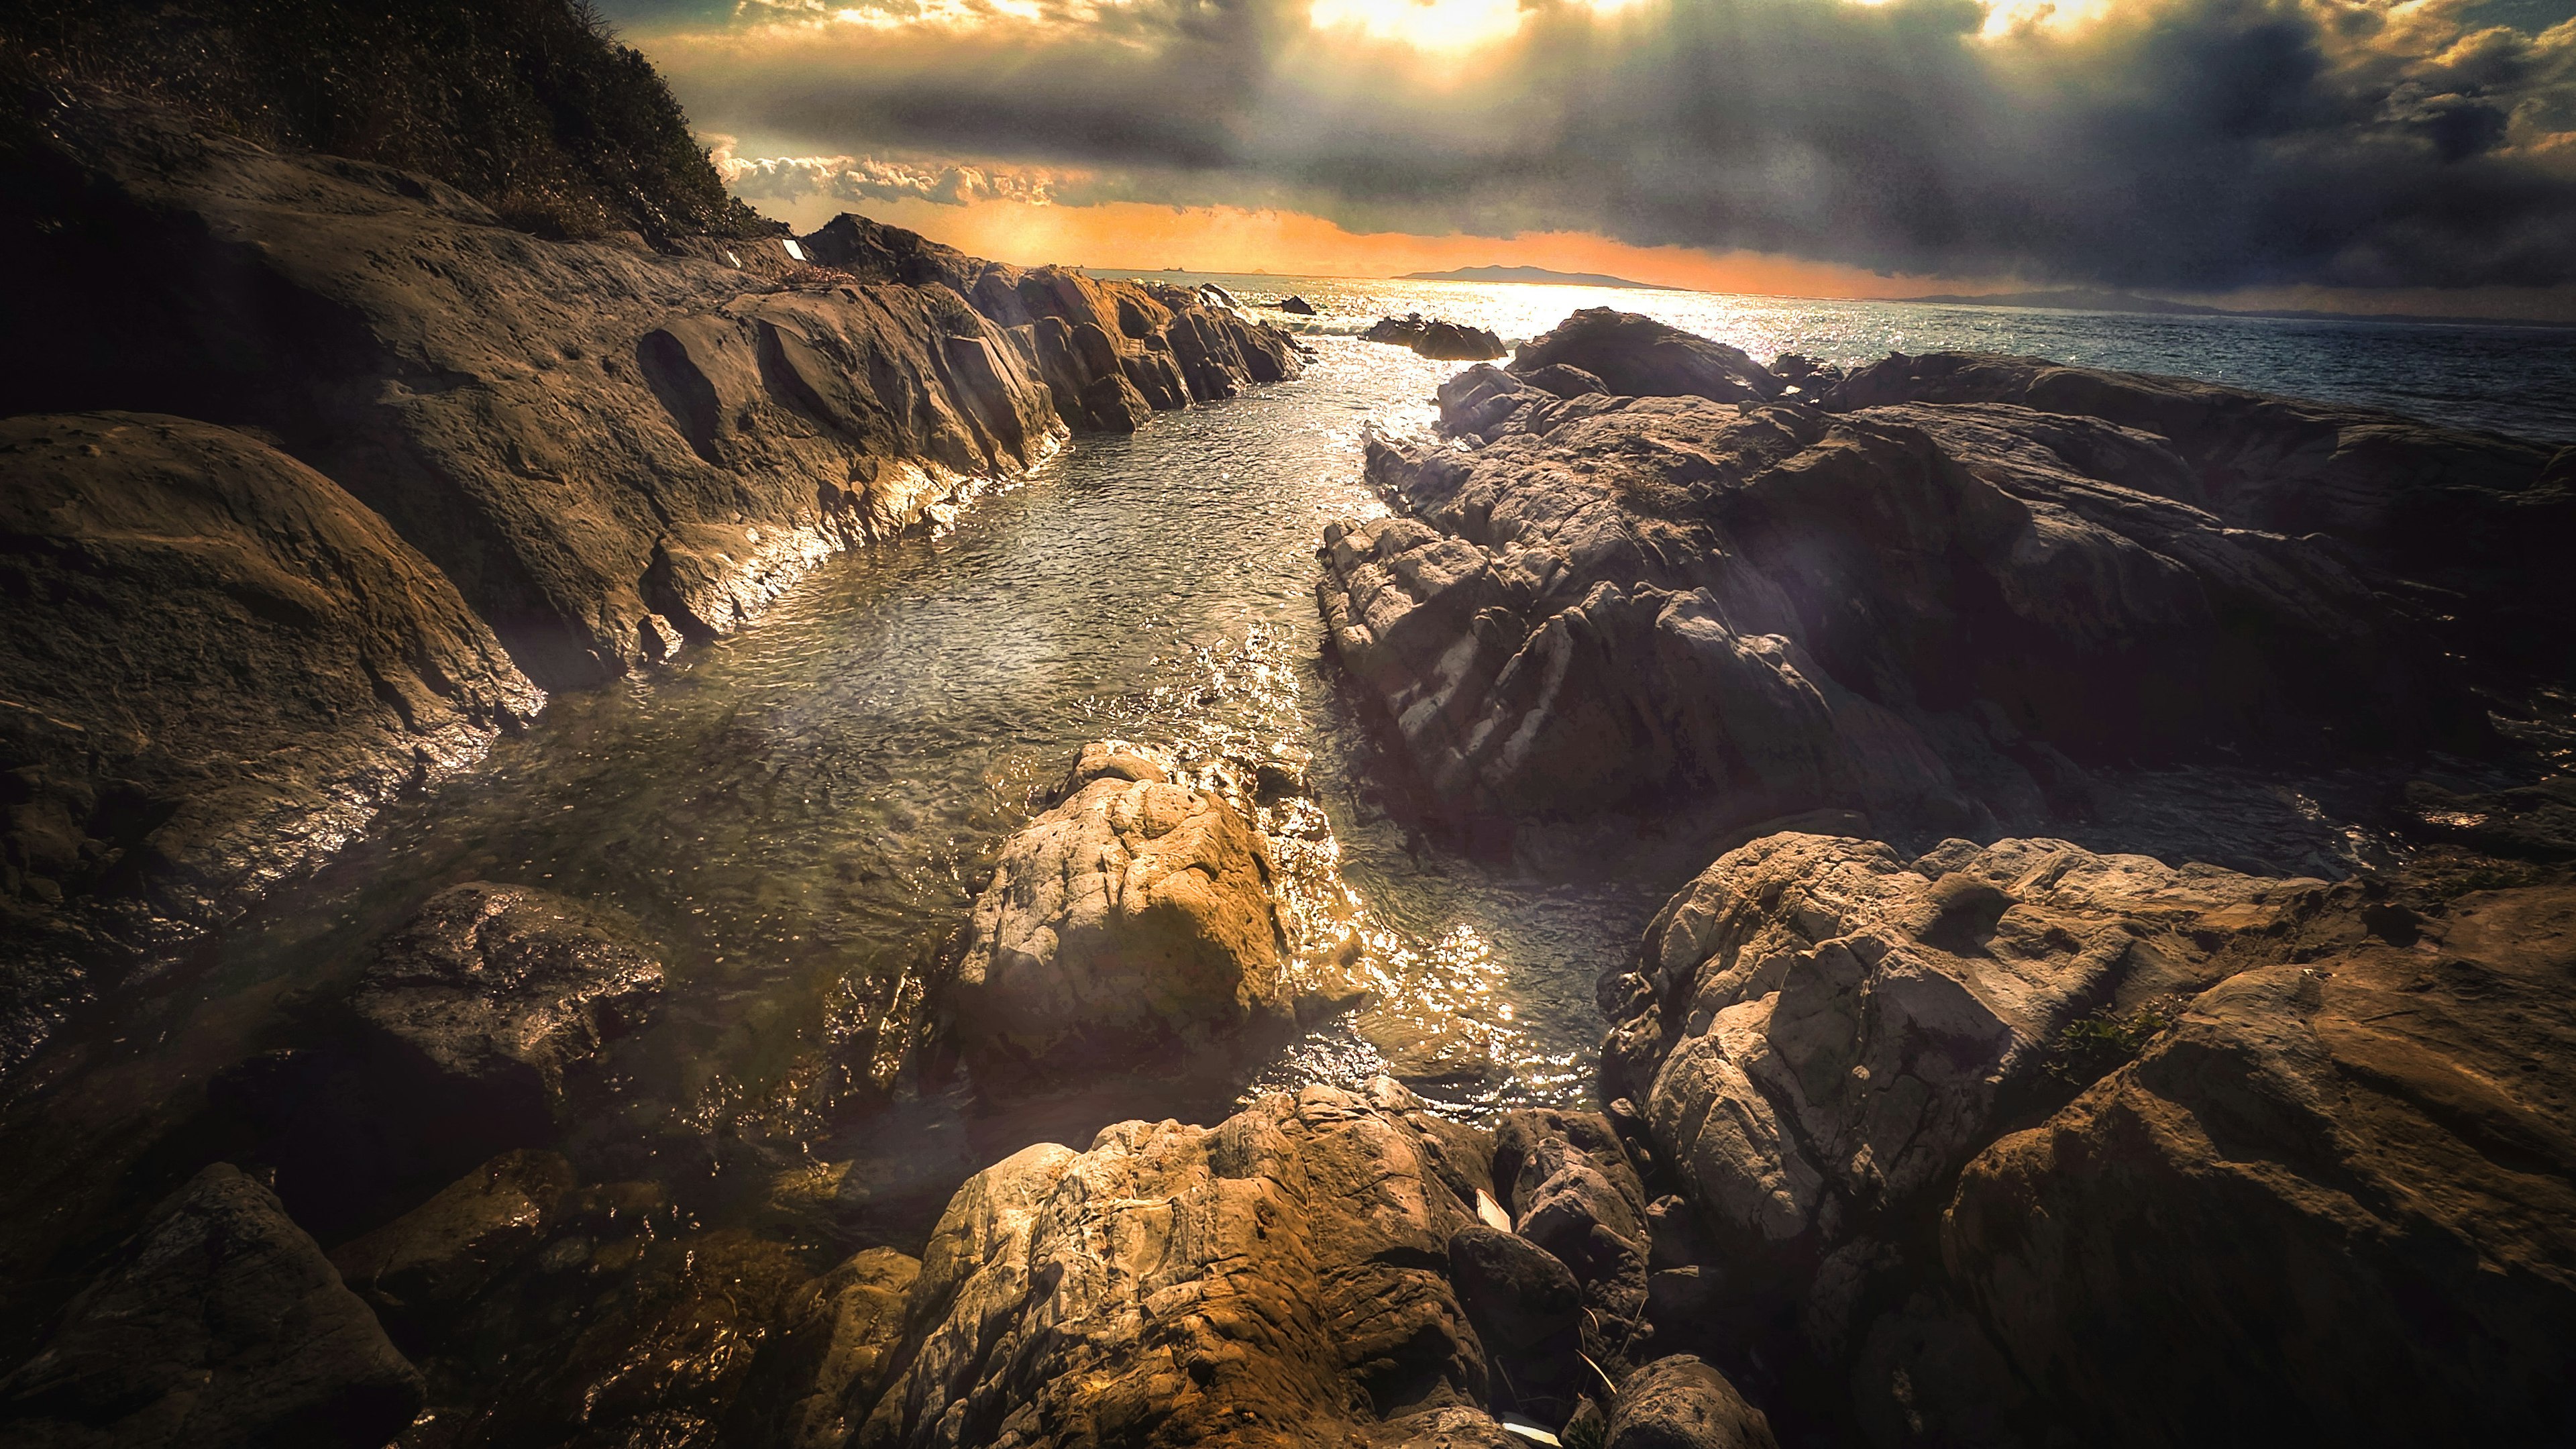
1919, 612
2476, 518
2328, 1195
1436, 338
1131, 925
1641, 357
220, 1325
467, 1034
448, 439
219, 666
1298, 307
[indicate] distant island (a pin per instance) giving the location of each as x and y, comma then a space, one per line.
1537, 276
2087, 300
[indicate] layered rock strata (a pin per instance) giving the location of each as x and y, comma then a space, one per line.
1591, 601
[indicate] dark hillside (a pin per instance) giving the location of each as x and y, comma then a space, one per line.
531, 106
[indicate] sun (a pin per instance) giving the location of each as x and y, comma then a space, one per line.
1436, 25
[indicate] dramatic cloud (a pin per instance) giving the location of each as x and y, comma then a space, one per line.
2189, 144
862, 179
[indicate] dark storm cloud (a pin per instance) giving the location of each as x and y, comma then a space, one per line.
2199, 144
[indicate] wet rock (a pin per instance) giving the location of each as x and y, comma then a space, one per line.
471, 1032
581, 436
1682, 1403
1113, 405
1279, 1279
1436, 338
493, 994
1823, 1033
1132, 921
1298, 306
2332, 1203
218, 666
1636, 356
1573, 1191
1932, 616
418, 1270
2528, 822
814, 1383
662, 1359
221, 1325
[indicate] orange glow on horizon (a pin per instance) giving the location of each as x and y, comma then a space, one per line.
1137, 237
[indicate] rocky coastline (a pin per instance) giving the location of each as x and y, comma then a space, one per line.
1915, 1123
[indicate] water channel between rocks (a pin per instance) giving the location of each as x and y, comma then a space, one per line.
801, 814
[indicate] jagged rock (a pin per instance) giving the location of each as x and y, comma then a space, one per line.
582, 436
1636, 356
220, 1326
1298, 306
1132, 919
1113, 405
2333, 1203
424, 1266
218, 665
1279, 1279
2475, 516
1823, 1034
1917, 613
1436, 338
1571, 1189
1682, 1403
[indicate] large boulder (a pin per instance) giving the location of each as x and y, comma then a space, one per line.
419, 1270
1279, 1279
1638, 356
218, 666
2335, 1203
1599, 603
1822, 1033
220, 1326
1131, 924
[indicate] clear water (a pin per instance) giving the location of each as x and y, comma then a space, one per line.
800, 814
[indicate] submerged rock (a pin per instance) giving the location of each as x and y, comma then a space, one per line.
467, 1035
1436, 338
423, 1267
218, 666
1298, 306
220, 1326
1132, 922
1279, 1279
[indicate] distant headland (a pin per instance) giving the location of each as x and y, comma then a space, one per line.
1536, 276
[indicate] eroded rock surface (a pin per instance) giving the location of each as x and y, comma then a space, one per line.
218, 666
1280, 1279
1599, 602
1638, 356
1821, 1032
221, 1325
1683, 1403
2337, 1200
1130, 926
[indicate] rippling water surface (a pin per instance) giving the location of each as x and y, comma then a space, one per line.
800, 814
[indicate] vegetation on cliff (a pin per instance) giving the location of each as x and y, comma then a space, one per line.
531, 106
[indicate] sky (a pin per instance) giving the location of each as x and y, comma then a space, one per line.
2416, 156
